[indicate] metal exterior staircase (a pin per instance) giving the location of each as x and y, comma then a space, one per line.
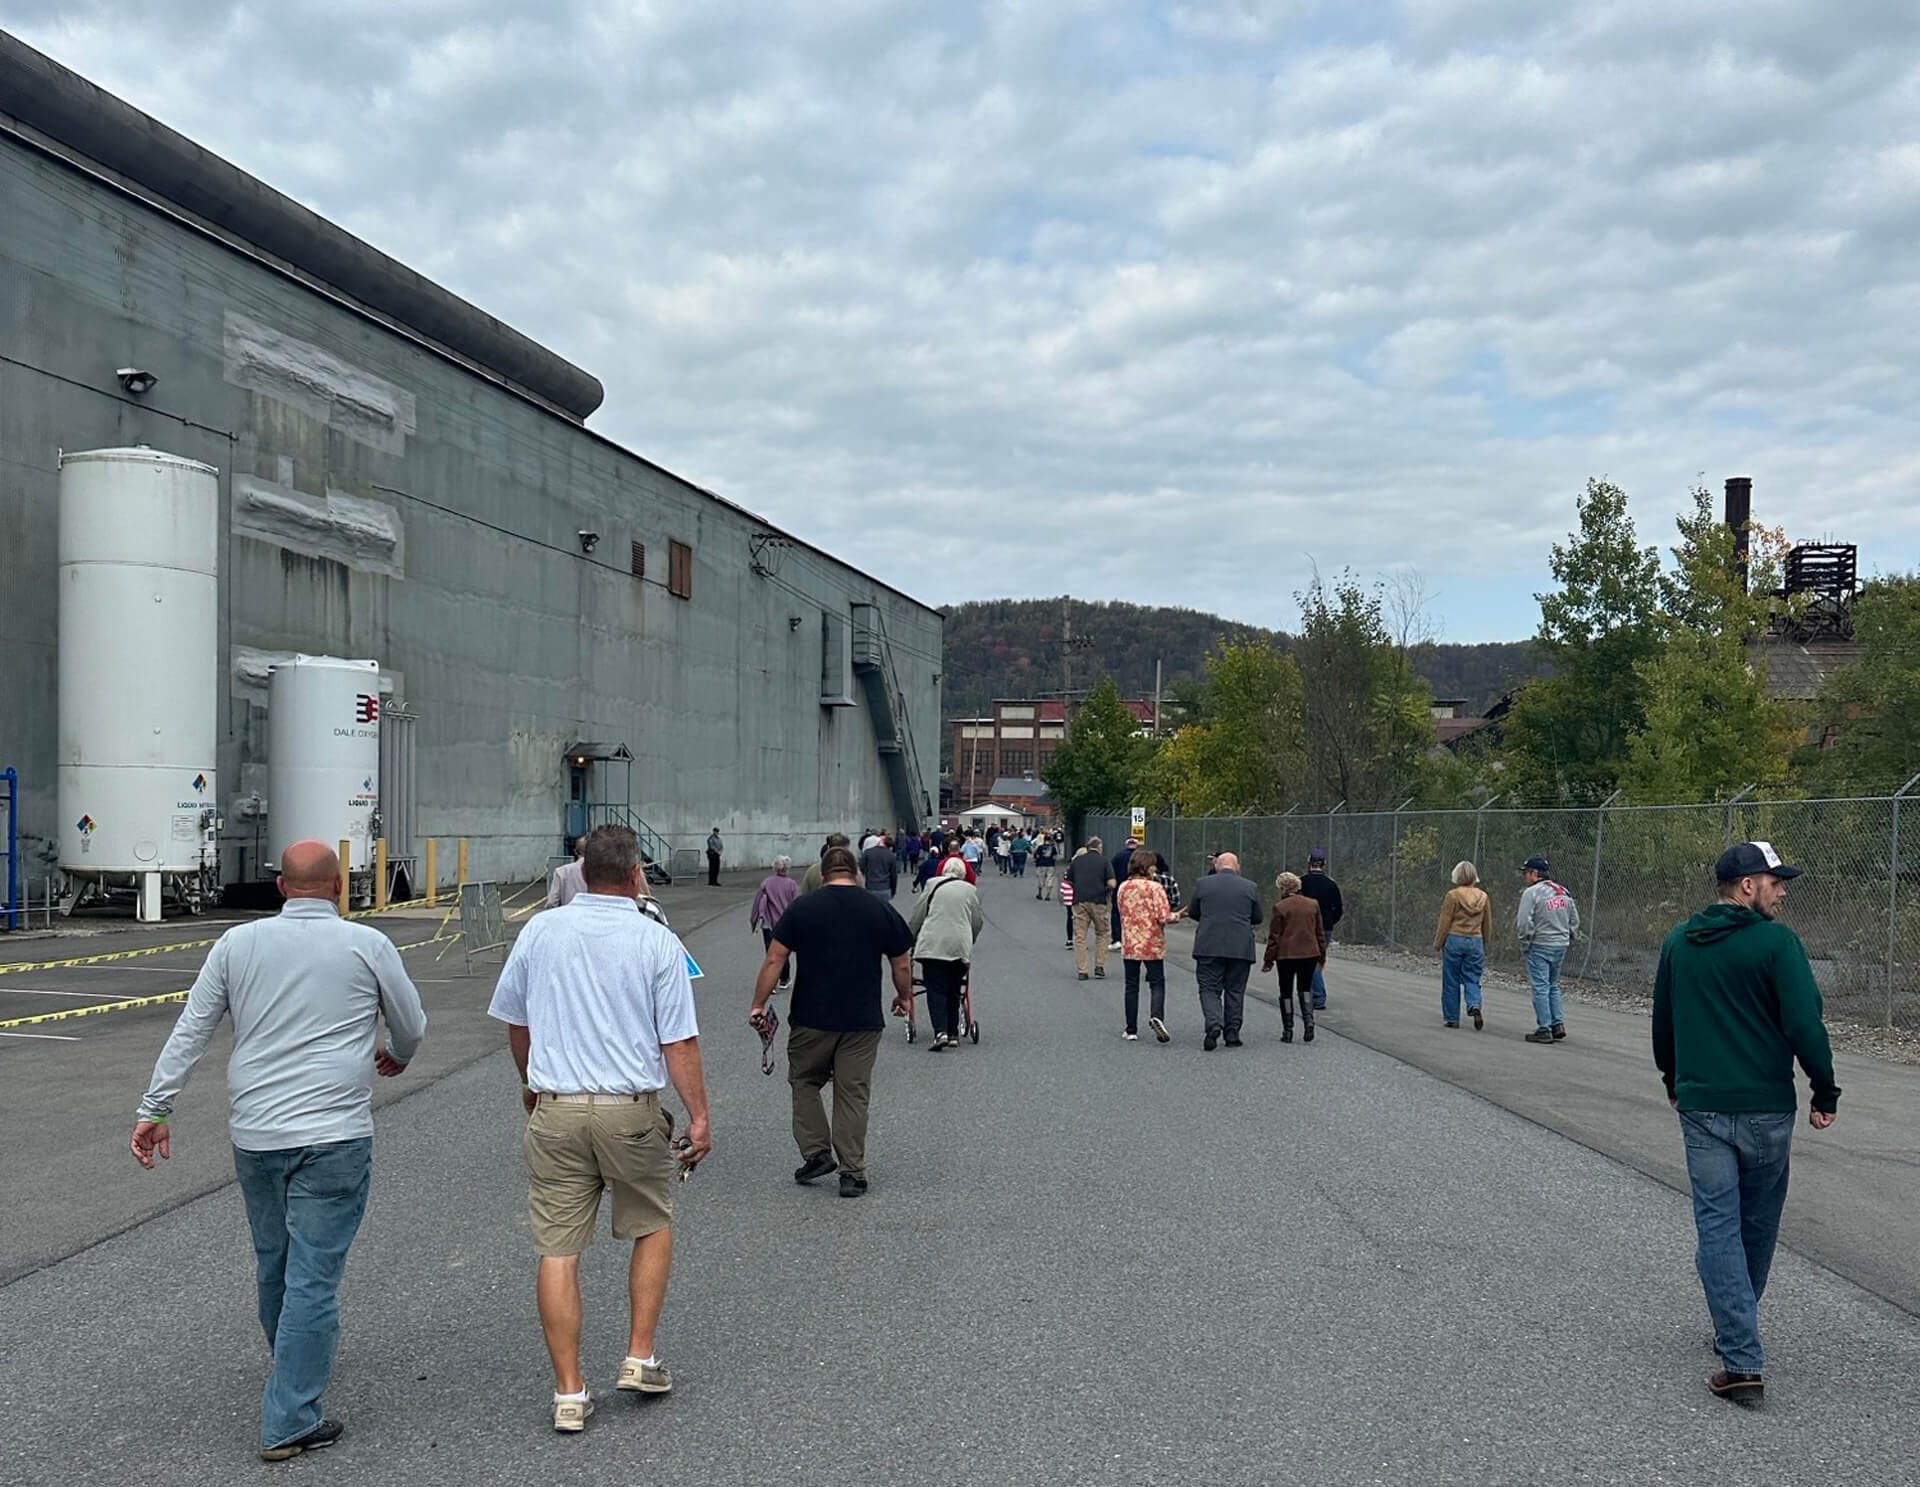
887, 703
657, 850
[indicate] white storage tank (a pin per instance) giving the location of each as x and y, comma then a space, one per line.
139, 674
323, 754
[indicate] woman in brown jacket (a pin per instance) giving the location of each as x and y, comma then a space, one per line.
1296, 943
1464, 934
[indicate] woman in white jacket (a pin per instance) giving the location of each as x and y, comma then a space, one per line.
945, 923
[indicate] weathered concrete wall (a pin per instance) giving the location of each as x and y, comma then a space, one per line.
379, 500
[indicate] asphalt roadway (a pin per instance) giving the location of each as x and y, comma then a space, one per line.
1082, 1260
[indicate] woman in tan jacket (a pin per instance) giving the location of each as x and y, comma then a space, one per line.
1296, 943
1463, 937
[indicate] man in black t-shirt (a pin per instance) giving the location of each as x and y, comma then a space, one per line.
841, 935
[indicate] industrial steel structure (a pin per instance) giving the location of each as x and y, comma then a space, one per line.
391, 473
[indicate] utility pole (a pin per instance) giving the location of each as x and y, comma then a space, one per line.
1066, 647
1156, 698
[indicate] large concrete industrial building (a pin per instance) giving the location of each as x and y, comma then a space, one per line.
399, 477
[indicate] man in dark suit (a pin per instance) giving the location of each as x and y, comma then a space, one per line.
1226, 907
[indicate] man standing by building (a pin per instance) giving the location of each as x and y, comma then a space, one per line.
714, 848
1319, 886
880, 869
567, 881
1734, 1004
599, 1015
305, 990
1547, 921
841, 935
1091, 877
1226, 907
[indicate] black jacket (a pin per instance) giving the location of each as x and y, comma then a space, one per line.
1324, 891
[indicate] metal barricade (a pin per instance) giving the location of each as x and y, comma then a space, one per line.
483, 920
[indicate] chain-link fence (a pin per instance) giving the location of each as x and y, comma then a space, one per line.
1635, 872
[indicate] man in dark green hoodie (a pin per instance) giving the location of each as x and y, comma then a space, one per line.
1734, 1003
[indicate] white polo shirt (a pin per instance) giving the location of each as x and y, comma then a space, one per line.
599, 986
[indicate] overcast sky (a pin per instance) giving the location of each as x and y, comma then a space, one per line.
1147, 301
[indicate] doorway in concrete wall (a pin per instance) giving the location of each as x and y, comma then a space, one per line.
600, 793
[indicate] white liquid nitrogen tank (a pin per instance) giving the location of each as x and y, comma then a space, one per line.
139, 672
323, 754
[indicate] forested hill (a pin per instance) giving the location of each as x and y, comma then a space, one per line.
1012, 648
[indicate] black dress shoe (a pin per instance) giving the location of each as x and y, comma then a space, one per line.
317, 1439
817, 1165
1212, 1040
1307, 1036
851, 1186
1741, 1388
1232, 1041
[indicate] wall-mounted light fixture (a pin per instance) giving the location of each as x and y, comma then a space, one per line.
588, 540
136, 380
793, 622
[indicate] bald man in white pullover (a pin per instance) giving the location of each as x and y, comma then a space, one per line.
305, 990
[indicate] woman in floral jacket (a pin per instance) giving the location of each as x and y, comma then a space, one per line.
1144, 916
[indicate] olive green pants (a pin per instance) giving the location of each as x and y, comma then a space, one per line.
815, 1055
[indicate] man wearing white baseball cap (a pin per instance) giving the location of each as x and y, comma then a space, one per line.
1734, 1004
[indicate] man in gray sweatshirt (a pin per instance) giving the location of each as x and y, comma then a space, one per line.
305, 990
1547, 921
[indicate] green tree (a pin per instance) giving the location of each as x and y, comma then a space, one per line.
1711, 727
1098, 764
1368, 715
1568, 734
1246, 751
1871, 708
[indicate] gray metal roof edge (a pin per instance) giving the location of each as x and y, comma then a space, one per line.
66, 107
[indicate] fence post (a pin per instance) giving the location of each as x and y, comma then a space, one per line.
1286, 828
1479, 824
433, 872
1393, 876
1593, 900
1730, 805
1893, 891
1330, 812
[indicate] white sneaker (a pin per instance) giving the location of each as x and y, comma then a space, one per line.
1113, 944
570, 1415
637, 1376
1130, 1037
1159, 1029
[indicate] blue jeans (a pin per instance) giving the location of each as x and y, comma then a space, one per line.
304, 1206
1738, 1167
1320, 981
1543, 970
1461, 962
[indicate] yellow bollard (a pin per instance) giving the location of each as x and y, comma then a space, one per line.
346, 871
380, 873
433, 872
461, 864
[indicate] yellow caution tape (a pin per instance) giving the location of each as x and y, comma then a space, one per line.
94, 960
72, 1012
158, 999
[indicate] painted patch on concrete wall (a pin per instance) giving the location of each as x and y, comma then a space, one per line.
291, 371
252, 666
354, 530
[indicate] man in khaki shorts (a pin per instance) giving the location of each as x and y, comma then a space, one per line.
599, 1014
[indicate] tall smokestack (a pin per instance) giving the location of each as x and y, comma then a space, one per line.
1739, 510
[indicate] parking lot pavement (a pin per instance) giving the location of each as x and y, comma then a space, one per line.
1082, 1260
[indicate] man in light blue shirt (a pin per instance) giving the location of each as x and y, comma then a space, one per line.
599, 1013
305, 990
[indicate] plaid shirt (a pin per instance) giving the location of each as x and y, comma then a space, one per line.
1172, 889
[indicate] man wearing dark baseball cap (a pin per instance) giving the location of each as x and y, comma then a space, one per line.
1734, 1004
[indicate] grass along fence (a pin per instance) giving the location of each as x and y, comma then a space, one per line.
1636, 871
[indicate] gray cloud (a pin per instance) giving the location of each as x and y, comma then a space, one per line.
1162, 302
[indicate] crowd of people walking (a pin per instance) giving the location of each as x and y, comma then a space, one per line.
598, 1006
